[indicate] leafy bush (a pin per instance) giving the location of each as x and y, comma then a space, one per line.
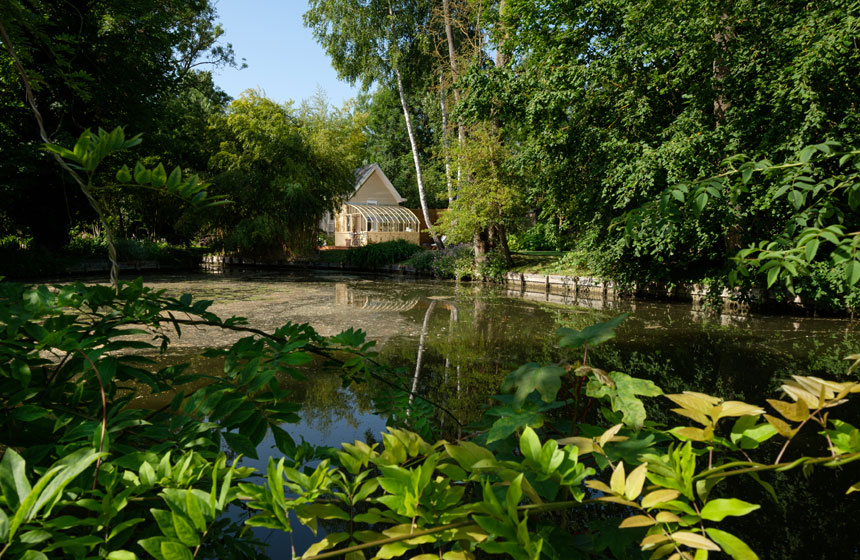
495, 267
543, 236
453, 262
376, 255
86, 475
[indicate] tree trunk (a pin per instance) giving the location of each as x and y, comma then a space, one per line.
503, 242
421, 196
720, 69
455, 74
481, 243
722, 37
446, 143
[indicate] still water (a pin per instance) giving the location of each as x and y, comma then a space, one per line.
455, 343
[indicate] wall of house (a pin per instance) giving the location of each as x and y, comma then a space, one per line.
381, 236
344, 239
373, 189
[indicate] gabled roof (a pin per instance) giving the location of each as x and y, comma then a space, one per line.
364, 173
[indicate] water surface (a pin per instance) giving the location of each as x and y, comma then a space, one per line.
455, 343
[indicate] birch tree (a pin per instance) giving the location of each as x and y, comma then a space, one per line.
374, 41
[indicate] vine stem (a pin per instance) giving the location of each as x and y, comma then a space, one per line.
104, 416
788, 441
457, 525
84, 186
317, 351
838, 461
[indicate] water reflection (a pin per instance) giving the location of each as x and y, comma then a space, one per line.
455, 343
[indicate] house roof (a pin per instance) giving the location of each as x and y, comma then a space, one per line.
383, 213
364, 173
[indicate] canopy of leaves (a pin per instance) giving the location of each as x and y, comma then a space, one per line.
283, 173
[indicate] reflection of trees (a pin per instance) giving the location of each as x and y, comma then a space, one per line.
421, 340
466, 352
326, 404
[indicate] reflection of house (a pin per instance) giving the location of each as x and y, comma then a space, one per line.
344, 295
373, 213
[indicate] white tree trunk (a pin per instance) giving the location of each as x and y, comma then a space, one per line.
418, 176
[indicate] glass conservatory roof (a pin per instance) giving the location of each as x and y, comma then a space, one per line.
383, 214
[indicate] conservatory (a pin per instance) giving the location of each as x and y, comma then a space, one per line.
362, 223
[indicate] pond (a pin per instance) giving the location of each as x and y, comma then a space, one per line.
455, 343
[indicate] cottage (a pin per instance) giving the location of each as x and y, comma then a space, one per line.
373, 213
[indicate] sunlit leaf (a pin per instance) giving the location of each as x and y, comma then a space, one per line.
694, 540
717, 510
636, 521
732, 545
658, 497
635, 480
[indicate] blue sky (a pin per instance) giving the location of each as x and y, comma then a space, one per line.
283, 59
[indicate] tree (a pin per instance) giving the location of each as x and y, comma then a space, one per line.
490, 201
283, 175
91, 65
611, 102
388, 143
376, 40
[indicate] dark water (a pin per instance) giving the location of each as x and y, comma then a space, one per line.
466, 338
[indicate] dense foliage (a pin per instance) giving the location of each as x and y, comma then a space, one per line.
94, 468
597, 108
283, 174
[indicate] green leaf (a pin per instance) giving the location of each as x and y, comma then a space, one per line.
13, 480
240, 444
811, 249
593, 335
623, 396
124, 174
141, 174
195, 511
174, 179
701, 201
530, 445
806, 154
717, 510
172, 550
511, 422
184, 531
35, 537
121, 555
328, 542
732, 545
159, 176
772, 275
852, 272
153, 546
530, 377
4, 526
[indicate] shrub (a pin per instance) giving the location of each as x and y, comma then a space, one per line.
455, 261
381, 254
